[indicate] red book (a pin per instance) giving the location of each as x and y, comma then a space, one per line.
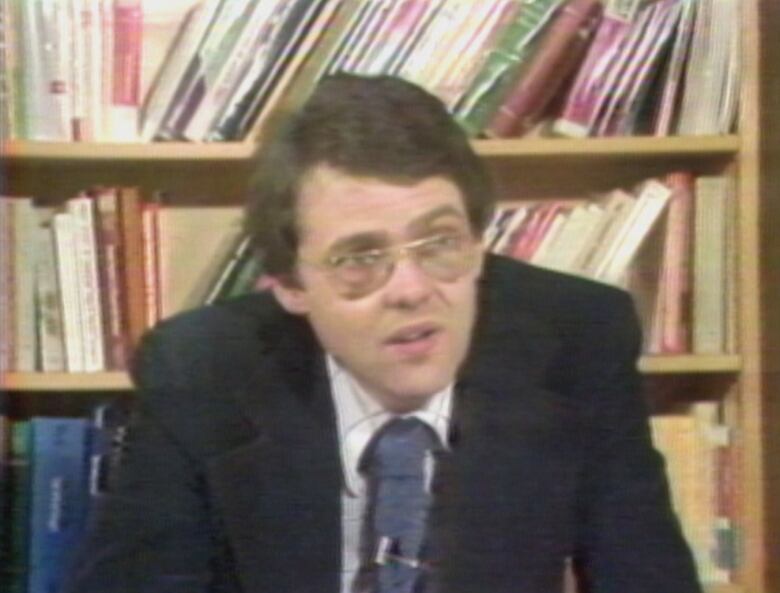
559, 54
126, 92
109, 245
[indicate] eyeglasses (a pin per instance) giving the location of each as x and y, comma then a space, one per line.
444, 257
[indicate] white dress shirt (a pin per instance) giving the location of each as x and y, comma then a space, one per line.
359, 416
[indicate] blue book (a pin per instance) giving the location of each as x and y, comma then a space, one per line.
59, 497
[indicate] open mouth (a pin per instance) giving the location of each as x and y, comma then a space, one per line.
414, 341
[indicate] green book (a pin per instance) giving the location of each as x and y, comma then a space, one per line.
13, 576
504, 65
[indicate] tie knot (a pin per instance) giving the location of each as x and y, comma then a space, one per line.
399, 448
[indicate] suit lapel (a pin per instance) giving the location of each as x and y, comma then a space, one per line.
502, 508
279, 493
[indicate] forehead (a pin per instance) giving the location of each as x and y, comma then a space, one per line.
333, 205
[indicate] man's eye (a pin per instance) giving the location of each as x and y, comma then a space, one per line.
363, 259
443, 242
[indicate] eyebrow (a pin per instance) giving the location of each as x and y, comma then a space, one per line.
374, 239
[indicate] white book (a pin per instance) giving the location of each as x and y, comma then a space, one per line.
23, 249
82, 209
709, 265
79, 75
67, 276
48, 303
652, 200
550, 237
47, 80
574, 237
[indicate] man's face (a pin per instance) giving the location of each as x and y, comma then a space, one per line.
405, 340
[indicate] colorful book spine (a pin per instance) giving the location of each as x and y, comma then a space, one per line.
581, 106
505, 64
127, 55
559, 54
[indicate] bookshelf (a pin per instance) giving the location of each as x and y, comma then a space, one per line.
216, 173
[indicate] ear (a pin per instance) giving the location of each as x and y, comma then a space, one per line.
291, 296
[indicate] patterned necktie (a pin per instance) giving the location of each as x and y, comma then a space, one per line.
394, 464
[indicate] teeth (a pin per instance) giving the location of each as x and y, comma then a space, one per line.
413, 337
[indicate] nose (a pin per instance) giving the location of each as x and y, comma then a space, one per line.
409, 285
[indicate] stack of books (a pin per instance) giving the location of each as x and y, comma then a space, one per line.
75, 71
671, 241
54, 470
700, 462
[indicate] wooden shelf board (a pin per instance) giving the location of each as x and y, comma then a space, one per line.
629, 146
105, 381
114, 152
690, 363
119, 381
637, 146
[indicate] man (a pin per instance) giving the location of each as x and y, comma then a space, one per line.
245, 468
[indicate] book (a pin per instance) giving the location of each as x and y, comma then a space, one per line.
133, 278
23, 252
109, 250
266, 85
125, 104
14, 571
58, 498
671, 85
251, 46
82, 210
107, 435
48, 305
654, 30
559, 54
674, 298
217, 43
171, 74
46, 41
64, 226
709, 264
504, 65
205, 242
7, 319
150, 239
582, 101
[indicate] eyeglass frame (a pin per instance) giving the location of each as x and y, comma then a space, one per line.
395, 253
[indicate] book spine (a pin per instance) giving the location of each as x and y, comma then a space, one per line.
132, 266
7, 319
67, 276
171, 75
504, 65
127, 55
46, 56
14, 571
82, 209
580, 107
151, 266
110, 258
51, 331
58, 498
675, 337
249, 48
558, 56
24, 255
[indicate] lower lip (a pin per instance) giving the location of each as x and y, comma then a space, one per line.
416, 349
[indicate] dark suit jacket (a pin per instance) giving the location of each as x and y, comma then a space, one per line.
231, 479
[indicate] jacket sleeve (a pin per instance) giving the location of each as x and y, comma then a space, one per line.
628, 538
151, 532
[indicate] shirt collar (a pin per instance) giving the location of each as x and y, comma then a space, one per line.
360, 416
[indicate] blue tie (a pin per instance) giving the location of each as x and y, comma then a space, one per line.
394, 464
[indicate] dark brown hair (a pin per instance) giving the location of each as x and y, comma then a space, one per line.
381, 127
